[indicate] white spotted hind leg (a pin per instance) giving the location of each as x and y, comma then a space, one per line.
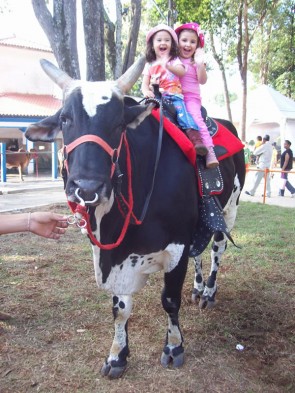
199, 283
219, 245
116, 362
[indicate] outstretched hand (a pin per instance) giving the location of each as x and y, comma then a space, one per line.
47, 224
199, 56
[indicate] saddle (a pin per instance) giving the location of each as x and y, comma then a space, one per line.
210, 181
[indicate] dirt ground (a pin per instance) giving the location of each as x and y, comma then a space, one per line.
61, 325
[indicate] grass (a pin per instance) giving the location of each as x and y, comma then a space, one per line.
62, 325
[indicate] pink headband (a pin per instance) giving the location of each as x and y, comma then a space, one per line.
192, 26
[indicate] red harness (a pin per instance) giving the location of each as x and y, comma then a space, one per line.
80, 210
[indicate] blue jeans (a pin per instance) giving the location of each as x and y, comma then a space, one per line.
288, 185
184, 119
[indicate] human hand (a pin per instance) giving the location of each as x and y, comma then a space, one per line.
47, 224
148, 94
199, 56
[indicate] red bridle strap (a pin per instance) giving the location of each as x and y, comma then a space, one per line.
82, 210
90, 138
99, 141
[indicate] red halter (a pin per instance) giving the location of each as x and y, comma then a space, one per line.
114, 154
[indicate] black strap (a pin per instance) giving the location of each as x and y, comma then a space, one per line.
159, 147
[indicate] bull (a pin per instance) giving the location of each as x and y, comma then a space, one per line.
135, 191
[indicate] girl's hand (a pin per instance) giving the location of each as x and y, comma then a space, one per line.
199, 56
148, 94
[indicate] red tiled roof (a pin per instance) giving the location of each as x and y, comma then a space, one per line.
28, 105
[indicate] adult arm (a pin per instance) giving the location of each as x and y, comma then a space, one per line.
287, 158
259, 150
45, 224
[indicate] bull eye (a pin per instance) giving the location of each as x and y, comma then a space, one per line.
64, 121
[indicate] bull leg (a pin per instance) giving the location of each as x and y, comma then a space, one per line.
116, 362
173, 351
218, 248
199, 283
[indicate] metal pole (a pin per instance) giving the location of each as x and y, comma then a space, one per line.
3, 161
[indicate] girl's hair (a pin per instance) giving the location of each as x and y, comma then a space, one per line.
150, 54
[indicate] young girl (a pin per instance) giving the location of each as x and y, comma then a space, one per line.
164, 68
191, 53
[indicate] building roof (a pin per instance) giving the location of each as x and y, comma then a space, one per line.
28, 105
265, 105
13, 41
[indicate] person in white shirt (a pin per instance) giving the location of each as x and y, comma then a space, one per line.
264, 152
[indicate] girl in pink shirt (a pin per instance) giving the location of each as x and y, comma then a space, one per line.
190, 45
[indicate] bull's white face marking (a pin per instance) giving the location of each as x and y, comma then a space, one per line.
95, 93
131, 275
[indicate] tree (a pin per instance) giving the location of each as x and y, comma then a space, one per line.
93, 22
250, 17
60, 29
233, 24
273, 50
100, 36
130, 50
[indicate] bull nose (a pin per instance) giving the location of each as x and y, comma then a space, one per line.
90, 191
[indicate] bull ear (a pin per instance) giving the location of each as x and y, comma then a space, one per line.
136, 114
45, 130
128, 79
61, 78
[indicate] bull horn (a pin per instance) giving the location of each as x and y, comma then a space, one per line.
61, 78
128, 79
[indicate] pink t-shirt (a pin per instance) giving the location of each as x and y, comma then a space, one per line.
168, 82
189, 82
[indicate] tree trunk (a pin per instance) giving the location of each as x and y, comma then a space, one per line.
130, 51
93, 22
219, 61
109, 37
60, 29
118, 62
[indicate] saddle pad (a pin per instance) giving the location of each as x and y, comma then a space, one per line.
178, 136
225, 143
224, 138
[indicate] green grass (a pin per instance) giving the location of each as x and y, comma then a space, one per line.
62, 325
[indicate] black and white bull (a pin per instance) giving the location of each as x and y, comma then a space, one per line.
94, 118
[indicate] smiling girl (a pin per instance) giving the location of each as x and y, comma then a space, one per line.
191, 52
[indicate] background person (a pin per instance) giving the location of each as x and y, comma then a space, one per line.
265, 154
247, 155
286, 165
257, 144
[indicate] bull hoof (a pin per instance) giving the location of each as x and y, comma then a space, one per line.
196, 295
174, 356
112, 371
206, 302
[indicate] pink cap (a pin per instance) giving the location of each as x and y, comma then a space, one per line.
161, 27
192, 26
